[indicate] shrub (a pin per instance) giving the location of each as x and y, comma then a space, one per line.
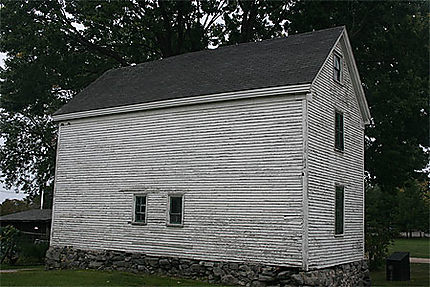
380, 208
20, 248
9, 237
32, 252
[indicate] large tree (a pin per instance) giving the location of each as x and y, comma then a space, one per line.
390, 42
56, 48
413, 207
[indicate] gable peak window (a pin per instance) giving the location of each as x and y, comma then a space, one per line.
339, 210
175, 209
337, 68
139, 214
339, 131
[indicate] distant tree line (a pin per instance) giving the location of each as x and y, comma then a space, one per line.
388, 214
16, 205
56, 48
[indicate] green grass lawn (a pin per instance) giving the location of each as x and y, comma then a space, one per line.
90, 278
420, 274
417, 247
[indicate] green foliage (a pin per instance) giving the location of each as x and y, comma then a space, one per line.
413, 207
15, 205
56, 48
246, 21
18, 248
9, 237
387, 214
390, 43
379, 225
31, 252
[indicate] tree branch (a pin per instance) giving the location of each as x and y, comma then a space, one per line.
79, 38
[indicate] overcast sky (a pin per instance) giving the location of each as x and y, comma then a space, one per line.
2, 57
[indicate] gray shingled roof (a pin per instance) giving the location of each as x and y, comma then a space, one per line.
28, 215
271, 63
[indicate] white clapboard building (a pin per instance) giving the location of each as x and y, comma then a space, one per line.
251, 153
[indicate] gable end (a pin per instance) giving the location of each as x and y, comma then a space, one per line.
355, 77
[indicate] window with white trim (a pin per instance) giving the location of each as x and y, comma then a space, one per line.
139, 211
175, 209
337, 68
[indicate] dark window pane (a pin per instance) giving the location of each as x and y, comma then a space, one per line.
339, 133
339, 210
337, 68
176, 204
175, 216
140, 208
140, 217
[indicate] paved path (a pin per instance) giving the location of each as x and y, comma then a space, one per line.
419, 260
16, 270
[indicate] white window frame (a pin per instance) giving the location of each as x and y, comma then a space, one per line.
134, 209
336, 55
168, 223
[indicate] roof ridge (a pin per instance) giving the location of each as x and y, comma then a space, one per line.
227, 46
279, 61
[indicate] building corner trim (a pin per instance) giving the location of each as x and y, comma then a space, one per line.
305, 236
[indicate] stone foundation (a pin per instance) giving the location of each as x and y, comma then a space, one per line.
244, 274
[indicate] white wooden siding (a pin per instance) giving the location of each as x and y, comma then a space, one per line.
238, 164
328, 167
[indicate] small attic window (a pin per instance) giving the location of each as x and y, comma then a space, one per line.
337, 68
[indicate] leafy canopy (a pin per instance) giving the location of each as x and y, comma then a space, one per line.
56, 48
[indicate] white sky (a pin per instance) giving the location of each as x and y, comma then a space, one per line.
2, 57
9, 194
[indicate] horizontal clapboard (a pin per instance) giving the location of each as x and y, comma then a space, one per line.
328, 167
238, 164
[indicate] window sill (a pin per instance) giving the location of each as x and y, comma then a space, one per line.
342, 151
174, 225
339, 235
340, 83
136, 223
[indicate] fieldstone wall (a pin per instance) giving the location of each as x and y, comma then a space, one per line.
243, 274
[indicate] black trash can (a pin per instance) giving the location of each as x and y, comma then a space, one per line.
398, 268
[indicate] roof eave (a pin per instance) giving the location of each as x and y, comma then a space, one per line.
356, 82
24, 220
245, 94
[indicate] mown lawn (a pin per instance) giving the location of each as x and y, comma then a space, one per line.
90, 278
417, 247
420, 274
